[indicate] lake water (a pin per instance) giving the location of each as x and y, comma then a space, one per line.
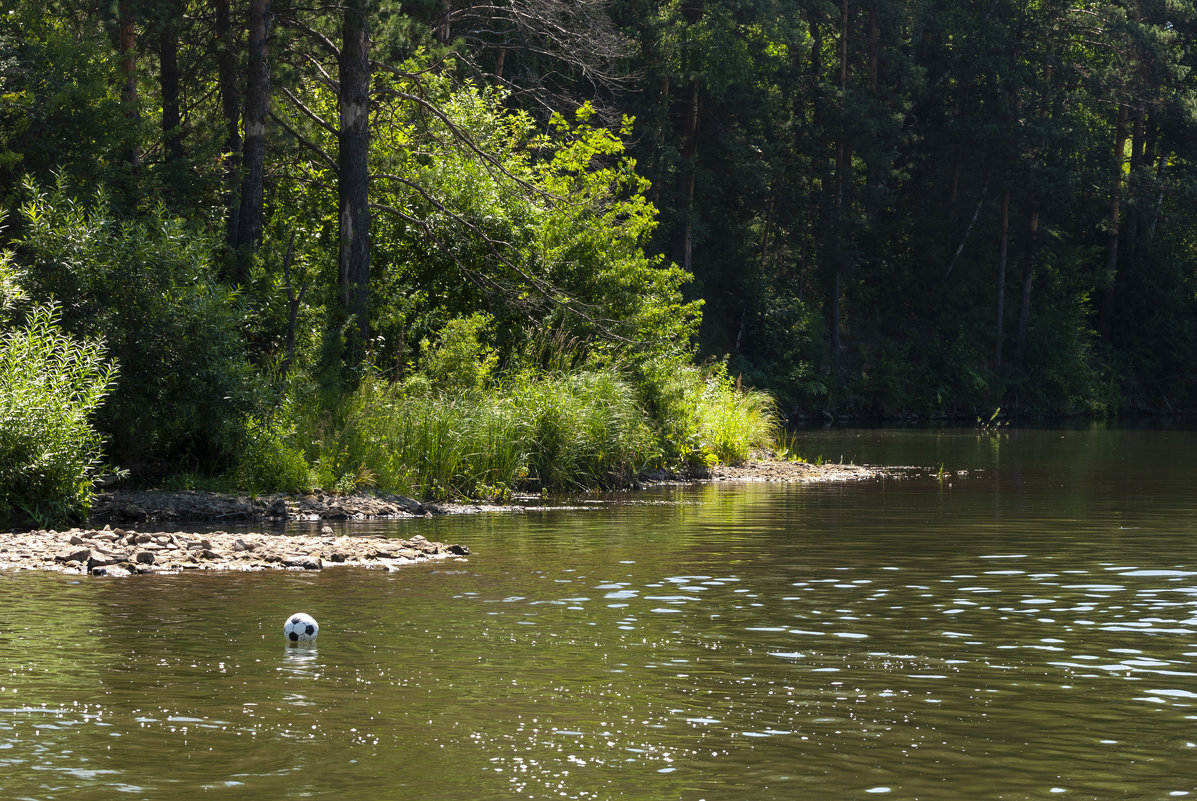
1026, 629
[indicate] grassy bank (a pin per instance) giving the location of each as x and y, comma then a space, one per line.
579, 430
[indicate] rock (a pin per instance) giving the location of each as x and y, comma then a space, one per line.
130, 512
100, 559
81, 555
409, 505
279, 507
80, 550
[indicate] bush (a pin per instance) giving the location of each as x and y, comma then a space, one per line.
734, 422
702, 417
460, 361
50, 385
585, 430
148, 288
270, 461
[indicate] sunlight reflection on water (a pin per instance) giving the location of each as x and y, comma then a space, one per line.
737, 643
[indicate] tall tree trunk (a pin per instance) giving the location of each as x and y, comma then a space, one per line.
257, 105
1106, 316
1003, 250
127, 45
1029, 261
444, 33
168, 58
230, 106
842, 162
354, 172
692, 12
1134, 215
687, 178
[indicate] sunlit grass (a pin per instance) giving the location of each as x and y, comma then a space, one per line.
573, 431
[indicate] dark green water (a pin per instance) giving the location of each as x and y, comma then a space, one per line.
1026, 631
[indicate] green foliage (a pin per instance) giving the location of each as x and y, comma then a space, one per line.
525, 224
50, 386
59, 111
573, 431
147, 286
460, 361
583, 430
269, 459
576, 431
735, 423
702, 417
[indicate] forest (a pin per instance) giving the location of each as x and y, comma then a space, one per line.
453, 248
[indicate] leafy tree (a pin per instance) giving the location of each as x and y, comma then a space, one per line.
148, 288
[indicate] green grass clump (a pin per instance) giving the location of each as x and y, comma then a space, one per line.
576, 431
702, 417
734, 423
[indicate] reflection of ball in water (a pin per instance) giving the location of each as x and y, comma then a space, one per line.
301, 628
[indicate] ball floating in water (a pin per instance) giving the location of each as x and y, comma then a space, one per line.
301, 628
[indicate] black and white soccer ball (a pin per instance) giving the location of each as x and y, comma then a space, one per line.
301, 628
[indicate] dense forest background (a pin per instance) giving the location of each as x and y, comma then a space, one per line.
868, 208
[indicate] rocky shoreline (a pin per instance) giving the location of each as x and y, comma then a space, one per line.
106, 547
159, 507
117, 551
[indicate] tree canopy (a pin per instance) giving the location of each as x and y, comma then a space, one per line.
867, 207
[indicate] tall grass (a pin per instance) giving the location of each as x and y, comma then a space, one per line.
735, 423
577, 431
574, 431
702, 417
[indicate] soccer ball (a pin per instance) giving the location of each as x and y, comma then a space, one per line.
301, 628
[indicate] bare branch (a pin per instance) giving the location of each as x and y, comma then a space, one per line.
307, 112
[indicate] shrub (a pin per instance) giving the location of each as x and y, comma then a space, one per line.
585, 430
50, 385
702, 417
734, 422
270, 460
460, 361
147, 287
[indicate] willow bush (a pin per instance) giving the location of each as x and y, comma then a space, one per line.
50, 386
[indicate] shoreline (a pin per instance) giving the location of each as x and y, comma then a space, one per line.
109, 545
